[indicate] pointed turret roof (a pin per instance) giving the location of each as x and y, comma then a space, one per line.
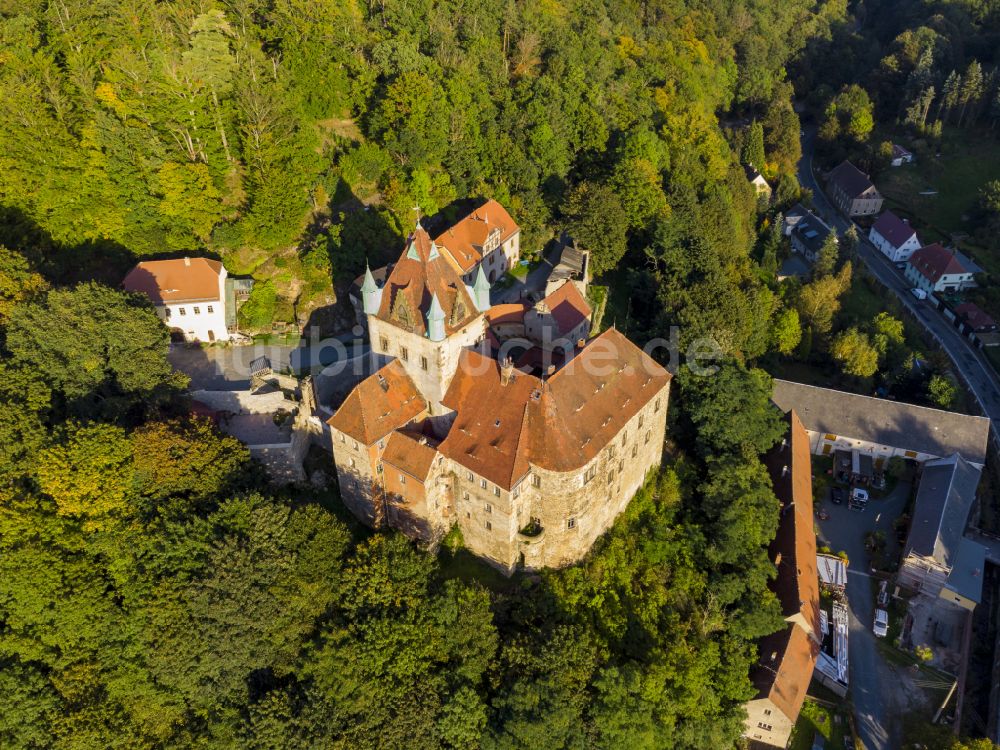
422, 276
435, 312
369, 284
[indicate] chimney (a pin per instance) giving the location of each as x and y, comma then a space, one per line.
187, 261
580, 343
506, 371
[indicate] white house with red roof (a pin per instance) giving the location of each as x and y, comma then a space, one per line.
894, 237
488, 238
189, 295
934, 268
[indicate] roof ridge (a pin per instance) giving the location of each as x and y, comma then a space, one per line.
883, 400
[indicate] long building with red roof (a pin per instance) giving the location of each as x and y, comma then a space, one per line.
533, 465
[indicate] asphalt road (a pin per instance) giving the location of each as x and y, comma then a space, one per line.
870, 683
968, 360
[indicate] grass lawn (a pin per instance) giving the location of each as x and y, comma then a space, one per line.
520, 271
967, 162
818, 717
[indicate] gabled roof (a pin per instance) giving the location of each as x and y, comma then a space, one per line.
850, 179
944, 498
898, 150
410, 453
464, 241
568, 307
794, 547
893, 229
785, 668
422, 272
560, 424
812, 232
378, 405
933, 261
904, 426
176, 280
974, 316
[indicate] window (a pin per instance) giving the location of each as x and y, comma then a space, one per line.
470, 476
343, 438
496, 491
611, 476
482, 483
621, 466
656, 406
589, 474
381, 444
180, 311
570, 523
488, 508
355, 444
383, 343
767, 712
517, 491
648, 435
353, 463
196, 310
489, 526
641, 418
402, 479
465, 495
209, 310
765, 727
635, 449
536, 481
624, 436
404, 354
423, 363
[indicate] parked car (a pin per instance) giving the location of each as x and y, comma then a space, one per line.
837, 495
881, 626
918, 293
859, 499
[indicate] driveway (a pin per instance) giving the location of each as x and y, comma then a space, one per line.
871, 679
967, 359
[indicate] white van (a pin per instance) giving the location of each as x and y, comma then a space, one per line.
881, 626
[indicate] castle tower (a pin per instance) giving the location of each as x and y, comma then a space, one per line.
481, 291
371, 295
425, 316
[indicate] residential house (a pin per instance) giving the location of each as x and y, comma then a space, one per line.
974, 319
532, 470
808, 236
852, 192
894, 237
879, 427
757, 181
938, 559
788, 657
900, 156
934, 268
189, 295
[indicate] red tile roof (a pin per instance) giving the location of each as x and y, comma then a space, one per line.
464, 241
568, 307
509, 313
176, 280
933, 262
410, 453
421, 272
788, 657
787, 661
974, 316
378, 405
894, 229
794, 547
560, 424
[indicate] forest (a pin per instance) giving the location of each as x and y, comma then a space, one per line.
155, 590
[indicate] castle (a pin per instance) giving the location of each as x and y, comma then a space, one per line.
532, 459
